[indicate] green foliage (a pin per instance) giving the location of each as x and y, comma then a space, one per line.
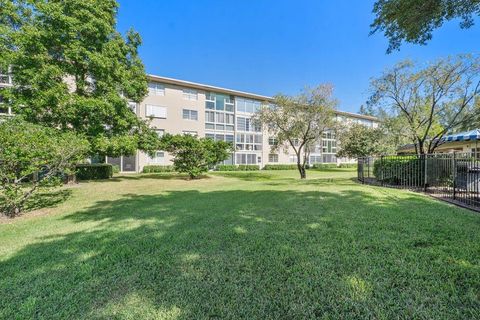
424, 103
73, 71
248, 167
347, 165
96, 171
359, 140
323, 166
298, 122
115, 168
157, 169
414, 21
280, 167
226, 167
33, 157
194, 155
404, 170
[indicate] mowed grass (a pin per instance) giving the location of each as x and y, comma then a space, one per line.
253, 245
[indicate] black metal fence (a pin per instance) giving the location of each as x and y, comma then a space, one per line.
453, 177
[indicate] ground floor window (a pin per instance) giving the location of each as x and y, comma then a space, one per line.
158, 158
315, 159
125, 163
293, 159
273, 157
244, 158
329, 158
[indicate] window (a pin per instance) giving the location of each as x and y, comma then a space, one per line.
5, 77
247, 105
190, 133
476, 153
315, 159
209, 116
243, 158
272, 141
190, 94
190, 114
241, 124
160, 132
293, 159
156, 111
158, 158
156, 89
273, 157
249, 141
3, 108
209, 96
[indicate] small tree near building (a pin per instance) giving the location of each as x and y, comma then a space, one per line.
358, 141
298, 122
33, 157
193, 155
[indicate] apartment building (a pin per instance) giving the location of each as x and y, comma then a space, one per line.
183, 107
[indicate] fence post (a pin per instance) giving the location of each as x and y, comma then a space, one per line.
454, 173
382, 170
425, 168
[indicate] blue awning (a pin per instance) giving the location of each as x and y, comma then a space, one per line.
463, 136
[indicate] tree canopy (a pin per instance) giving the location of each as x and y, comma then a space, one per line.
430, 101
194, 155
73, 71
33, 157
414, 21
298, 122
359, 140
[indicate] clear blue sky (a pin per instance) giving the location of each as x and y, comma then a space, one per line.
272, 46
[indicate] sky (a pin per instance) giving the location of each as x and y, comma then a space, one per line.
276, 46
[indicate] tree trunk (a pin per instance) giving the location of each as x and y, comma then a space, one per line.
301, 170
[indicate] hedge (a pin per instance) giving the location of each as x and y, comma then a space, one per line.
347, 165
241, 167
408, 171
157, 169
324, 166
97, 171
280, 167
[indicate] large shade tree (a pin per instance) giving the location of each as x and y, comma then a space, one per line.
430, 101
298, 122
73, 71
414, 20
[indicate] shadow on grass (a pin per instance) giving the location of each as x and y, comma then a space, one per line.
143, 176
241, 254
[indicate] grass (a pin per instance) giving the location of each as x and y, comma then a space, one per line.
252, 245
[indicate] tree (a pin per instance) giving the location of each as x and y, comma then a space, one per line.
430, 101
358, 141
31, 158
194, 155
72, 70
413, 21
299, 121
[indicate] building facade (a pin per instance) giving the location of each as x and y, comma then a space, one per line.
181, 107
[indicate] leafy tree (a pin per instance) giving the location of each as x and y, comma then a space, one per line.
299, 121
413, 20
194, 155
31, 158
430, 101
73, 71
359, 140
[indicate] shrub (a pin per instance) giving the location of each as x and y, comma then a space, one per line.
248, 167
157, 169
347, 165
407, 171
33, 158
280, 167
226, 167
116, 168
324, 166
97, 171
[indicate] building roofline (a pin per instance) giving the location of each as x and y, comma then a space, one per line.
206, 87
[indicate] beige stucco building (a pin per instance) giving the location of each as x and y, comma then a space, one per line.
183, 107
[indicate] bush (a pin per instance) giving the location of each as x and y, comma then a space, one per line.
226, 167
157, 169
324, 166
280, 167
116, 168
407, 171
97, 171
248, 167
347, 165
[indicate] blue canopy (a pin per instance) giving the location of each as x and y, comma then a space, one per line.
463, 136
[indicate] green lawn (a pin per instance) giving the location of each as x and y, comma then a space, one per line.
255, 245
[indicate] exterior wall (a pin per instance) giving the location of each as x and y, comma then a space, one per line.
251, 146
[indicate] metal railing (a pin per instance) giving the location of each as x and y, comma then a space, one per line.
453, 177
